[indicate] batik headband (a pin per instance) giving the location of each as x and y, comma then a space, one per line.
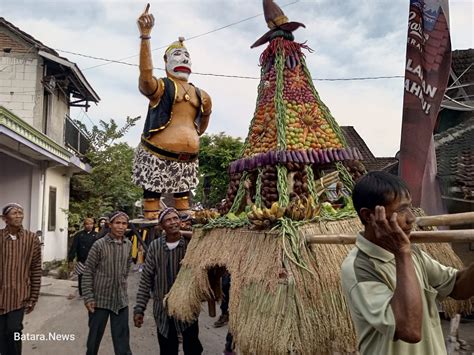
9, 207
117, 214
165, 212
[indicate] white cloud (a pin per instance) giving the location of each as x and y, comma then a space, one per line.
351, 39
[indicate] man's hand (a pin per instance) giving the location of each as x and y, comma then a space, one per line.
388, 233
90, 306
30, 307
138, 320
464, 286
406, 303
146, 22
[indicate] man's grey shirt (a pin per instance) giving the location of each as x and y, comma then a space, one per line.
105, 277
159, 273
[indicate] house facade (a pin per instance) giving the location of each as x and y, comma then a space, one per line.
40, 146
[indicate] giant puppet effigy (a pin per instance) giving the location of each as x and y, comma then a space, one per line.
178, 113
292, 181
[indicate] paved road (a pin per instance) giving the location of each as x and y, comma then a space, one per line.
56, 315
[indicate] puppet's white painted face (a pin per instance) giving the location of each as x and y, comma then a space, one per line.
178, 63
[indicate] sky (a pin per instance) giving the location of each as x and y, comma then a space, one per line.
350, 38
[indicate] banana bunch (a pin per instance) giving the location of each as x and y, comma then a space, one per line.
204, 216
265, 217
301, 209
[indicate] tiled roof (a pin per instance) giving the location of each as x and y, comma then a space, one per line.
77, 84
370, 161
354, 140
463, 64
455, 157
28, 38
380, 163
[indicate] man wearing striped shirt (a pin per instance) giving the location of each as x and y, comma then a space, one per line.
159, 273
20, 277
104, 286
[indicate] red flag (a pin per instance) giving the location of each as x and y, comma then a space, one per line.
427, 68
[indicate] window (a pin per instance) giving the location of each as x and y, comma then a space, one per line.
52, 209
47, 102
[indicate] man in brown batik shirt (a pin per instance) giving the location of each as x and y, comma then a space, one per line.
20, 277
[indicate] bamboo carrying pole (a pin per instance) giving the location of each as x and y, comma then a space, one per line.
454, 219
447, 236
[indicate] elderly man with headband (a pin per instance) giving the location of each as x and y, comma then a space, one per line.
161, 269
20, 277
178, 113
104, 285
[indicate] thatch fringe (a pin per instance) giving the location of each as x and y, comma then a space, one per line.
249, 256
276, 306
192, 289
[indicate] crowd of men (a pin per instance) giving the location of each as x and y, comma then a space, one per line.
391, 286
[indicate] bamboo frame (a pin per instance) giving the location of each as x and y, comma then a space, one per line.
274, 304
454, 219
445, 236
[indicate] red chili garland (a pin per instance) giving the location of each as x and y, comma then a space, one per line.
285, 46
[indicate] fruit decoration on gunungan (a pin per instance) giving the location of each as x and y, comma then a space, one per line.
295, 152
292, 181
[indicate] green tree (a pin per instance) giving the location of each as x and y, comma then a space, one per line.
108, 186
216, 152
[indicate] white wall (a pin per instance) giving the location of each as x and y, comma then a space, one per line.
36, 212
15, 186
22, 182
59, 109
19, 90
55, 242
22, 92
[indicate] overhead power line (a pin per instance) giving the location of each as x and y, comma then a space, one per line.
360, 78
87, 116
121, 61
240, 76
190, 38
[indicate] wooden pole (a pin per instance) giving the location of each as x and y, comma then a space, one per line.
211, 308
454, 219
448, 236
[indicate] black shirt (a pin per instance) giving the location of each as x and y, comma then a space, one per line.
81, 245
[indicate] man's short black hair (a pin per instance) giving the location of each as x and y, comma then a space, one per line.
377, 188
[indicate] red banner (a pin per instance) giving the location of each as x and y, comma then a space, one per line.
427, 68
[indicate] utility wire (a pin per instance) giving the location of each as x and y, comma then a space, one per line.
241, 76
192, 37
85, 114
120, 61
359, 78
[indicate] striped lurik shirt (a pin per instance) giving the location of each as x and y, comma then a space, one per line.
105, 277
159, 273
20, 270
